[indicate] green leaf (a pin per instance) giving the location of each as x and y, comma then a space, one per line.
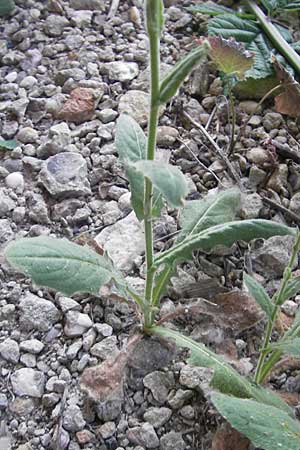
287, 346
172, 81
262, 66
231, 26
225, 234
131, 146
225, 378
167, 179
292, 288
9, 145
259, 294
267, 427
270, 5
61, 264
6, 7
212, 9
154, 17
290, 6
198, 215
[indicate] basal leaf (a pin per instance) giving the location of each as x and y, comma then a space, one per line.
62, 265
226, 379
270, 5
292, 288
262, 66
210, 8
288, 101
230, 56
198, 215
267, 427
225, 234
6, 7
231, 26
8, 145
257, 291
167, 179
290, 6
287, 346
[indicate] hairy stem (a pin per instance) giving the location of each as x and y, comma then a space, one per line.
232, 120
263, 366
275, 37
154, 42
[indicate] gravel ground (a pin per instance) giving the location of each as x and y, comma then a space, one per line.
67, 72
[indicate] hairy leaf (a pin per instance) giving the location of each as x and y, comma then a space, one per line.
266, 426
210, 8
226, 379
167, 179
231, 26
230, 56
292, 288
8, 145
225, 234
287, 346
198, 215
259, 294
255, 88
131, 146
61, 264
6, 7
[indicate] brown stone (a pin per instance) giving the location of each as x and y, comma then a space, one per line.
80, 107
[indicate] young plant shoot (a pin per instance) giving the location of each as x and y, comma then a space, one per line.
205, 224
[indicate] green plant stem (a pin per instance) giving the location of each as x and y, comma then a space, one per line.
274, 35
232, 120
263, 366
154, 42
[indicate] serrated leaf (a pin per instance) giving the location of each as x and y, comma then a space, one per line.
226, 379
290, 6
131, 146
262, 66
198, 215
230, 56
267, 427
270, 5
8, 145
210, 8
287, 346
231, 26
259, 294
62, 265
167, 179
225, 234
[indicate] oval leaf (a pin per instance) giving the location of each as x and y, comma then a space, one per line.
267, 427
287, 346
259, 294
167, 179
60, 264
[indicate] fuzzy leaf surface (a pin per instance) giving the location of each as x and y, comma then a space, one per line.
210, 8
267, 427
231, 26
292, 288
62, 265
226, 379
131, 145
230, 56
225, 234
198, 215
259, 294
167, 179
287, 346
9, 144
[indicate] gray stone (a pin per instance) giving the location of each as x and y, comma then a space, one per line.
166, 136
142, 82
3, 402
272, 121
124, 241
59, 138
28, 82
159, 383
295, 203
6, 233
107, 430
73, 349
273, 257
6, 203
65, 175
55, 24
93, 5
172, 440
76, 324
251, 205
179, 398
157, 417
107, 115
33, 346
15, 181
278, 179
28, 360
197, 378
29, 382
73, 419
9, 350
37, 313
290, 308
110, 409
259, 156
27, 135
81, 19
67, 304
144, 435
136, 104
249, 107
105, 348
37, 207
121, 71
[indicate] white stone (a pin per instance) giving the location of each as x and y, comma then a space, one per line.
77, 323
29, 382
121, 71
15, 181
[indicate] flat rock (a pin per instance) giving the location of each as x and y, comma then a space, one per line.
124, 241
93, 5
136, 104
76, 324
37, 313
144, 435
65, 175
9, 350
121, 71
29, 382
